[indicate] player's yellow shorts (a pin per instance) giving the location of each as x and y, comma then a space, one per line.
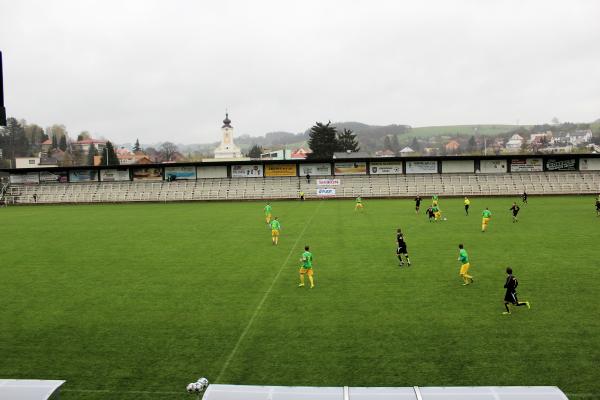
485, 221
438, 215
464, 268
359, 205
274, 232
268, 215
307, 271
434, 203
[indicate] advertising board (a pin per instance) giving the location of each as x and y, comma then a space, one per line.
280, 170
247, 171
325, 192
561, 165
350, 168
83, 175
316, 169
385, 168
28, 178
114, 175
328, 182
180, 173
421, 167
526, 165
147, 174
58, 176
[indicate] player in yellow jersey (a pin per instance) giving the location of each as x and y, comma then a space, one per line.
463, 257
275, 228
306, 267
467, 204
359, 204
486, 216
268, 213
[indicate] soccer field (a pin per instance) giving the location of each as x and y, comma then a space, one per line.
135, 301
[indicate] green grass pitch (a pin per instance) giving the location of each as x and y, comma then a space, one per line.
135, 301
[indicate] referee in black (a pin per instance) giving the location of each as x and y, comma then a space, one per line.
417, 203
510, 297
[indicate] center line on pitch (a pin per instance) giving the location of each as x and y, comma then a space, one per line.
262, 301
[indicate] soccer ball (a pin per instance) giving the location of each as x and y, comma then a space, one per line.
445, 219
191, 388
203, 382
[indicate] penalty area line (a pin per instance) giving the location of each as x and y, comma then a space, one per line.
264, 298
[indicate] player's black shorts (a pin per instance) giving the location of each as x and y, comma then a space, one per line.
511, 297
401, 250
466, 206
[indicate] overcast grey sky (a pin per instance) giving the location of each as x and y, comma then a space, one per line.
166, 70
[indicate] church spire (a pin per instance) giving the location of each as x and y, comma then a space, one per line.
226, 121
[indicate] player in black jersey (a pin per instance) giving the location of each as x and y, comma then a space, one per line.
431, 214
598, 207
524, 197
515, 210
511, 292
417, 203
401, 248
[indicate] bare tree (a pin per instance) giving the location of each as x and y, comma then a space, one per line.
168, 150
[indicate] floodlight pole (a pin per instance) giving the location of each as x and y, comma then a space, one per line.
2, 109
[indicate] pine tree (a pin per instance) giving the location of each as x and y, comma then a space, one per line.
415, 145
347, 141
136, 146
472, 144
54, 142
255, 151
322, 141
109, 151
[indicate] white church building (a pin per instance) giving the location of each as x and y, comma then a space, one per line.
227, 149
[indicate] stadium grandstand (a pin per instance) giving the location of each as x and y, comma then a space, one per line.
252, 180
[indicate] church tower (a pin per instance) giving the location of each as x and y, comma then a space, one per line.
227, 149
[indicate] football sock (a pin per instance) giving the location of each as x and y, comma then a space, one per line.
506, 306
312, 282
521, 303
302, 279
407, 260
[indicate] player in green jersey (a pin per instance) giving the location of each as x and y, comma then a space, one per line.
306, 267
359, 204
268, 213
463, 257
275, 228
486, 215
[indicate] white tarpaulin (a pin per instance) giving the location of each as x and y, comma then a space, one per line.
28, 389
114, 175
455, 166
492, 167
243, 392
30, 177
589, 164
212, 171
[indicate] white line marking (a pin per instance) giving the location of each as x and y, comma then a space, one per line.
418, 393
346, 393
262, 301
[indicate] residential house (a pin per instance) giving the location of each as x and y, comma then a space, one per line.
514, 143
452, 147
407, 151
385, 153
84, 145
